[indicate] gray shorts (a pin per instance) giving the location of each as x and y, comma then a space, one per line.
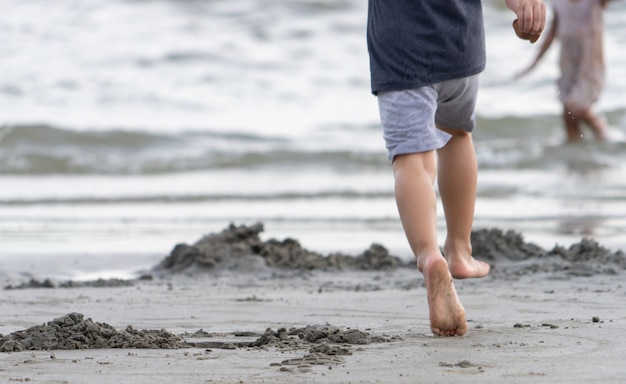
410, 117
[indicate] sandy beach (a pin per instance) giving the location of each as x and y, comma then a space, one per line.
544, 319
133, 132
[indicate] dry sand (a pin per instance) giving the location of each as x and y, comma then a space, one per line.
233, 309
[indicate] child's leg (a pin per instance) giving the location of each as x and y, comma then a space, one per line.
417, 204
572, 126
594, 122
457, 186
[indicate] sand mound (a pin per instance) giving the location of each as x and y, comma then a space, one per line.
509, 254
222, 250
73, 331
322, 344
240, 248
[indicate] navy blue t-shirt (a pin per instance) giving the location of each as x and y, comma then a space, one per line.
413, 43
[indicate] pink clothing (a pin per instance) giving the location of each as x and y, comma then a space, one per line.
580, 29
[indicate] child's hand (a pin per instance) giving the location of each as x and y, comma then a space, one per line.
531, 17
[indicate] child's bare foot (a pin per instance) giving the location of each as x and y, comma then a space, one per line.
447, 315
466, 268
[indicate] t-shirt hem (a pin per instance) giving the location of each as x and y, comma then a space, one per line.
397, 85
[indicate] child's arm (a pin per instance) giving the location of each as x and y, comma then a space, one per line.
547, 42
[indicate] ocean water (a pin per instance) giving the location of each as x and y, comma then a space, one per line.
128, 126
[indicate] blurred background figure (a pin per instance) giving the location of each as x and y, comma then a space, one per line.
579, 25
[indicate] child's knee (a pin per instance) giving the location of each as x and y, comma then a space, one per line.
574, 109
416, 162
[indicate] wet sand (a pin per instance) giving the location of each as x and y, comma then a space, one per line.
233, 309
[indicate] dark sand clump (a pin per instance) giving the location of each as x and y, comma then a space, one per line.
322, 344
507, 252
289, 338
73, 331
221, 250
325, 344
47, 283
239, 249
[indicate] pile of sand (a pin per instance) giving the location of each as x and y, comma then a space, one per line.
73, 331
322, 344
239, 248
223, 250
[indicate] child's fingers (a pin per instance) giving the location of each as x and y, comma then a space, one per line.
531, 16
539, 22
